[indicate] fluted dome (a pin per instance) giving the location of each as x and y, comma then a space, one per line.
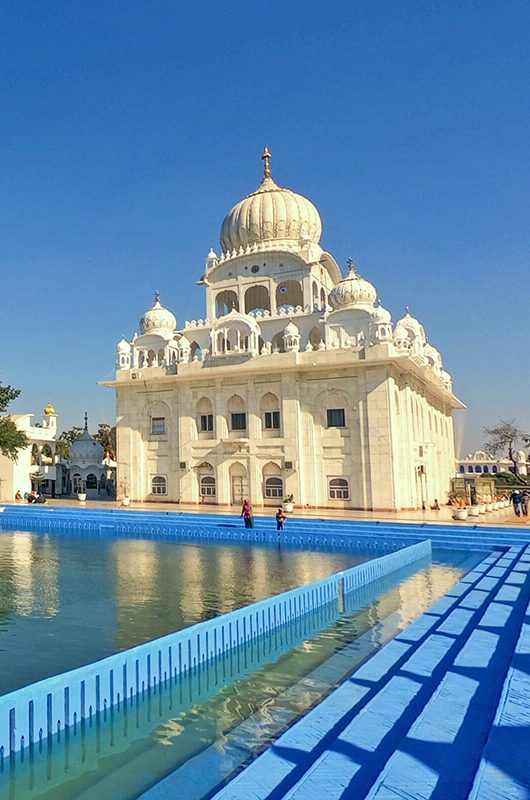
413, 326
353, 291
86, 451
124, 346
49, 410
158, 319
270, 213
381, 315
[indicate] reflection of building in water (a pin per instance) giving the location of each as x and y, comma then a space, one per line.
29, 575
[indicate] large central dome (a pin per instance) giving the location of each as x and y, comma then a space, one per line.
270, 213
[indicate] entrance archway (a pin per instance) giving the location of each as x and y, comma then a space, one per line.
238, 483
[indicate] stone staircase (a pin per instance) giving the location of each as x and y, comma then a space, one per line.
415, 721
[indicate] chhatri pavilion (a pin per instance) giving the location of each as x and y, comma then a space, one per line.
296, 382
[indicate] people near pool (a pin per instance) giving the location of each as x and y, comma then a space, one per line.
525, 500
280, 520
436, 505
35, 497
18, 495
516, 499
246, 513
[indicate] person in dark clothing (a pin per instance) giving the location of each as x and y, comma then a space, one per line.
280, 520
516, 498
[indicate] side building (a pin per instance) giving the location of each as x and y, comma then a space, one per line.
296, 382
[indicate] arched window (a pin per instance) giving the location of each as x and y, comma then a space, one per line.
486, 468
207, 486
91, 481
76, 482
289, 293
494, 469
195, 352
470, 468
478, 468
237, 413
461, 468
270, 412
257, 299
315, 337
315, 294
205, 421
159, 485
277, 343
274, 488
225, 302
339, 489
151, 357
322, 298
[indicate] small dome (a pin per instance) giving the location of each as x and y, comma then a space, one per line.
381, 316
412, 325
353, 291
86, 451
270, 213
158, 319
124, 346
291, 329
184, 342
49, 410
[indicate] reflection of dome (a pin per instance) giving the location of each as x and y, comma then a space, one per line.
353, 291
270, 213
49, 410
86, 450
158, 319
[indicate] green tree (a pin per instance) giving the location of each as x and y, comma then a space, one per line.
11, 439
106, 436
66, 439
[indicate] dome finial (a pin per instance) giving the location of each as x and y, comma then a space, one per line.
266, 158
86, 421
351, 266
157, 296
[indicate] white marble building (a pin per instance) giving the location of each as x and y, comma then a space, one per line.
482, 463
38, 459
295, 382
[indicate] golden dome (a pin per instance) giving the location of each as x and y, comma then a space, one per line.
49, 410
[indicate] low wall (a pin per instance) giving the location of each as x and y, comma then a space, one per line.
43, 709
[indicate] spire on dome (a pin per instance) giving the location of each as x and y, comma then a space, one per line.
266, 158
351, 266
157, 296
86, 421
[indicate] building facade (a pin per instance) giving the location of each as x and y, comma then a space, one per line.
37, 465
296, 382
482, 463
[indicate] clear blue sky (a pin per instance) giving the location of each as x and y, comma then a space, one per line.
128, 129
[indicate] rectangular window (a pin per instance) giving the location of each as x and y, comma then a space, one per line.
158, 425
336, 418
272, 420
206, 423
239, 422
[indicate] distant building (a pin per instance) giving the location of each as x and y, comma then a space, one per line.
37, 466
296, 382
482, 463
90, 470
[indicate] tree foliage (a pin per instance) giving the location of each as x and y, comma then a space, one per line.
506, 437
66, 439
106, 436
11, 438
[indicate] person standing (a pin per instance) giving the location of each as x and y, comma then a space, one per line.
280, 520
515, 497
525, 499
246, 513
